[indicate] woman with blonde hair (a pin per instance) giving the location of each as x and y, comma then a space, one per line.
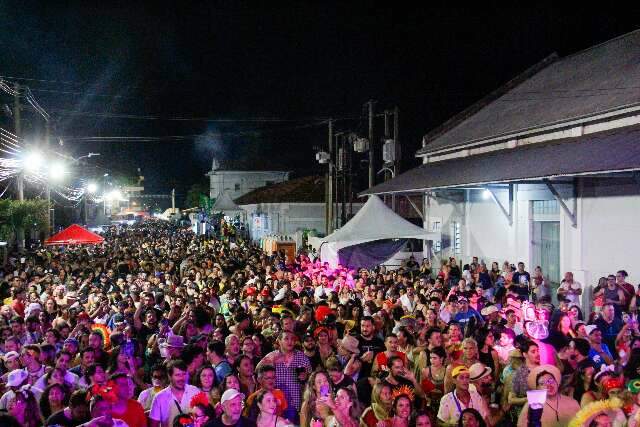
345, 409
380, 409
313, 408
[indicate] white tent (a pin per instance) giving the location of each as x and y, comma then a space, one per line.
374, 221
225, 204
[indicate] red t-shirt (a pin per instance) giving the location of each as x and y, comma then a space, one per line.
134, 415
381, 359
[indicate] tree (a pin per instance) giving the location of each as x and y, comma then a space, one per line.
198, 196
27, 214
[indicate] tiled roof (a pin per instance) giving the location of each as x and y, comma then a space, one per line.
599, 79
308, 189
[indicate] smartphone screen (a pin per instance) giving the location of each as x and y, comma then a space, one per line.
324, 391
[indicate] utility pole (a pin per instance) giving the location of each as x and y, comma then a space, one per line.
345, 173
20, 179
398, 152
386, 137
372, 172
329, 196
396, 123
18, 131
47, 188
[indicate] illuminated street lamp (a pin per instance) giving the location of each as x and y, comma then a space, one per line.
33, 161
57, 171
92, 188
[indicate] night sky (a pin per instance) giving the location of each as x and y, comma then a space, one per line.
239, 63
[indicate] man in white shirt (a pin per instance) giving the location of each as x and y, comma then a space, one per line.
452, 404
173, 400
407, 300
570, 289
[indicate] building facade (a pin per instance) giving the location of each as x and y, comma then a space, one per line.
544, 171
238, 181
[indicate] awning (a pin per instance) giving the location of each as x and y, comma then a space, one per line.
74, 235
605, 152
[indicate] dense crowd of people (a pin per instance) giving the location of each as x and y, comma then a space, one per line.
159, 327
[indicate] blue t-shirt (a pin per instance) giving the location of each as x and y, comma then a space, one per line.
463, 318
222, 370
597, 359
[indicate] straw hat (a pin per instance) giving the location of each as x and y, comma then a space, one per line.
533, 375
477, 371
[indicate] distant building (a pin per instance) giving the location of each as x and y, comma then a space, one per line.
237, 179
287, 208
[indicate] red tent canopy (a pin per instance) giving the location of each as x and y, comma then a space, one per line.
74, 235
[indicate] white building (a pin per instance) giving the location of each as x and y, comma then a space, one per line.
544, 170
239, 180
287, 208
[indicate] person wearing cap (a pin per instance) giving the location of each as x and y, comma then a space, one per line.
466, 313
481, 379
600, 354
11, 362
558, 409
232, 402
452, 404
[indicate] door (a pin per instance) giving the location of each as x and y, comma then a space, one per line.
546, 250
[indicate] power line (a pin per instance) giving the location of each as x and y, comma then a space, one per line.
194, 119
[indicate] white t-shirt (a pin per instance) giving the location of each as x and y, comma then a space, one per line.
451, 407
575, 299
164, 407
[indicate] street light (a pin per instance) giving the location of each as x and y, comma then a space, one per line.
115, 195
57, 171
33, 161
92, 188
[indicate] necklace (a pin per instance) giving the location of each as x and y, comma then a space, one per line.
556, 408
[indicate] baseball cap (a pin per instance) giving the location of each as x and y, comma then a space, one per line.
230, 395
459, 370
590, 328
12, 355
17, 377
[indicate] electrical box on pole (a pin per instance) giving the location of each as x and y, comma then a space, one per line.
389, 151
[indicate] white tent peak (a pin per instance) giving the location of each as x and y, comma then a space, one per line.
224, 203
376, 221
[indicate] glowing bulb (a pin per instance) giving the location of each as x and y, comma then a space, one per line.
92, 188
486, 194
34, 161
57, 171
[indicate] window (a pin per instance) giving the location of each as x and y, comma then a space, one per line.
237, 187
455, 234
546, 207
437, 246
436, 226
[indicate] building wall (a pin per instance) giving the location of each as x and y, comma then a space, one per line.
287, 218
239, 183
602, 242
